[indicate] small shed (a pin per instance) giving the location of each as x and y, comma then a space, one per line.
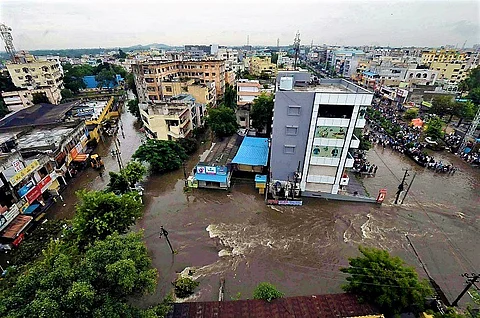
252, 156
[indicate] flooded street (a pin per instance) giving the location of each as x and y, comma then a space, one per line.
300, 249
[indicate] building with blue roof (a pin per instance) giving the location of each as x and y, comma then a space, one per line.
252, 156
91, 82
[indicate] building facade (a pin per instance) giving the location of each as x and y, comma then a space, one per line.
40, 76
17, 100
313, 132
172, 119
345, 62
247, 91
259, 65
150, 75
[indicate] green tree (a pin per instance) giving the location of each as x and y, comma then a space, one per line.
190, 145
98, 283
105, 78
385, 281
184, 287
267, 292
230, 97
222, 121
39, 98
100, 214
274, 58
130, 80
474, 95
6, 84
133, 108
73, 76
473, 79
261, 112
121, 182
162, 155
434, 128
66, 93
410, 114
121, 54
442, 105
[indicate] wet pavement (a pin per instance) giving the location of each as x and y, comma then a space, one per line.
300, 249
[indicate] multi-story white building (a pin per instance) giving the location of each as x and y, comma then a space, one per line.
173, 118
344, 62
313, 132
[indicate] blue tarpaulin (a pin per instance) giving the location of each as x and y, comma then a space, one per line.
253, 151
30, 209
91, 82
210, 177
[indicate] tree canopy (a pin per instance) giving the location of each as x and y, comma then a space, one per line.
230, 97
121, 182
385, 281
267, 292
97, 283
133, 108
261, 112
434, 128
100, 214
222, 121
442, 105
162, 155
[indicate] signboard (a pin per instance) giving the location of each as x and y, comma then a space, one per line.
17, 165
201, 169
381, 195
8, 216
222, 171
326, 151
23, 190
426, 104
18, 240
45, 183
330, 132
285, 202
24, 172
33, 194
210, 170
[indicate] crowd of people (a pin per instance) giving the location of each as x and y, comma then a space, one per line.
406, 139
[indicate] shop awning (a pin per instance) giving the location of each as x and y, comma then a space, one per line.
30, 209
81, 157
16, 226
210, 177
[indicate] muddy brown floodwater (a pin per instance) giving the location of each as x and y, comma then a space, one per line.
301, 249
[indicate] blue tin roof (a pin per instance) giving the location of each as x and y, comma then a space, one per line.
210, 177
253, 151
91, 82
368, 73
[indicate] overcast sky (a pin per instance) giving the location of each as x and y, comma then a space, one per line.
98, 23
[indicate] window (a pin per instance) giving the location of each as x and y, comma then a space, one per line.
293, 110
17, 70
213, 74
291, 130
289, 149
207, 74
168, 89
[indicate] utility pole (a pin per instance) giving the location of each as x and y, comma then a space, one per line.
116, 154
471, 279
165, 233
409, 186
184, 172
401, 186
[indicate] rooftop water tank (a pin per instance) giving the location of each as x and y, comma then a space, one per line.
286, 83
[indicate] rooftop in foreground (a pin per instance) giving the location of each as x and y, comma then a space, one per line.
222, 152
333, 86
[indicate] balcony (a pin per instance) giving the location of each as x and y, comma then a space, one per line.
329, 142
336, 122
349, 162
360, 123
321, 179
325, 161
355, 143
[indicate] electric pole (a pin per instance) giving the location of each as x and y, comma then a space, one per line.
471, 279
116, 154
409, 186
401, 186
165, 233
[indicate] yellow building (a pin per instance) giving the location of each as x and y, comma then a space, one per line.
203, 93
450, 73
443, 56
150, 75
172, 119
263, 64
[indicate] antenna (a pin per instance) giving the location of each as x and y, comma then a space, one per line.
248, 40
296, 47
278, 43
464, 43
6, 34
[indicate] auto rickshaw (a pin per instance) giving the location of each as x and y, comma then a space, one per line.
96, 162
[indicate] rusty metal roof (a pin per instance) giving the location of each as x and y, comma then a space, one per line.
316, 306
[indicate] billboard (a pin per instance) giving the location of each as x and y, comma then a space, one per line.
326, 151
330, 132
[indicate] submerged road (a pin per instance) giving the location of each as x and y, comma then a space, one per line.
300, 249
